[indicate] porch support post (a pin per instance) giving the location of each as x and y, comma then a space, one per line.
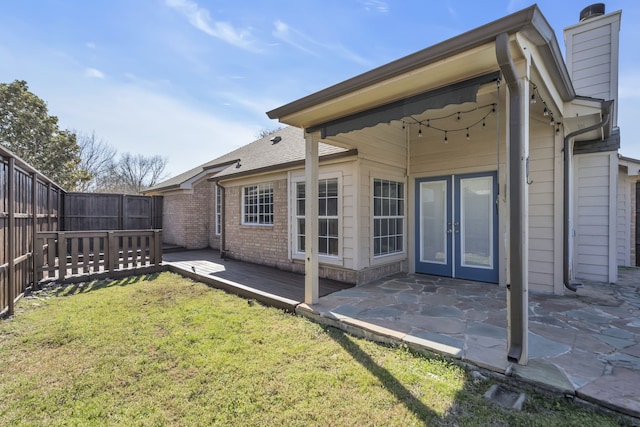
311, 279
517, 78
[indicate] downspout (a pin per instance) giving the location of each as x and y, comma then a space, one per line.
565, 202
517, 304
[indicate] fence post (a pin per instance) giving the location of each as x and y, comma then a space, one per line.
157, 247
62, 255
11, 273
38, 260
123, 210
49, 207
34, 224
112, 252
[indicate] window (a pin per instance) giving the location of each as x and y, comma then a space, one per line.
388, 217
257, 205
327, 216
218, 210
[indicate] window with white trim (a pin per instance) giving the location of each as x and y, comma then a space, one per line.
218, 210
257, 204
388, 217
328, 222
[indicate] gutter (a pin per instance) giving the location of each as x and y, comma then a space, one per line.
565, 202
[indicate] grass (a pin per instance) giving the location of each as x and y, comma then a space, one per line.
162, 350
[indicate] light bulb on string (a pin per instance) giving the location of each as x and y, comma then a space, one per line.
468, 136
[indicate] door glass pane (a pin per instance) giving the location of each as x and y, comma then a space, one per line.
433, 218
476, 228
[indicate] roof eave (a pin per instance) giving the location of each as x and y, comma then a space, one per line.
529, 18
281, 166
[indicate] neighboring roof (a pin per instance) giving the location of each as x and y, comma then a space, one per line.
628, 159
530, 21
265, 153
632, 165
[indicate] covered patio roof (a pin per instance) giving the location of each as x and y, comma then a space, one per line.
458, 59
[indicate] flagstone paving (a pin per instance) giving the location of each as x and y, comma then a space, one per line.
585, 344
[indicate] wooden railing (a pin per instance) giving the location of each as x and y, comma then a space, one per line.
60, 255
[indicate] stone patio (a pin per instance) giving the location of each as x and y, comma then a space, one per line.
585, 344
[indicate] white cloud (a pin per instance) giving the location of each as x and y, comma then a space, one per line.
94, 73
138, 120
201, 19
375, 6
301, 41
284, 33
90, 45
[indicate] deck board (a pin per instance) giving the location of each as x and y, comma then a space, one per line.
207, 265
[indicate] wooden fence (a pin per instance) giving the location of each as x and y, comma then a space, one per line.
31, 220
63, 254
29, 203
98, 211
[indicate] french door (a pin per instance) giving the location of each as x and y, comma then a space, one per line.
457, 226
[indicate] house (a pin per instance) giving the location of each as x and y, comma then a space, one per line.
487, 156
627, 239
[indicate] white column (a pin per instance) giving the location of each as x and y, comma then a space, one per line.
311, 280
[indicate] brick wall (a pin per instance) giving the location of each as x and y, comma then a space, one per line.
268, 245
186, 217
197, 216
261, 244
172, 225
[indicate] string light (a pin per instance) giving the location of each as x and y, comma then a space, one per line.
459, 117
547, 112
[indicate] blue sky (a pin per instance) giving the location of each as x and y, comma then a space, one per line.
192, 79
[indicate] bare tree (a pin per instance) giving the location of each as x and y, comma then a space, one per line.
266, 132
134, 173
96, 158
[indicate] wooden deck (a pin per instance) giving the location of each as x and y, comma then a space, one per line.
266, 284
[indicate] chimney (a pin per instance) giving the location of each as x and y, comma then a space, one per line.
592, 54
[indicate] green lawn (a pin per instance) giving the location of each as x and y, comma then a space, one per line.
163, 350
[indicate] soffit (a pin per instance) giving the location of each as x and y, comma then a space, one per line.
460, 67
